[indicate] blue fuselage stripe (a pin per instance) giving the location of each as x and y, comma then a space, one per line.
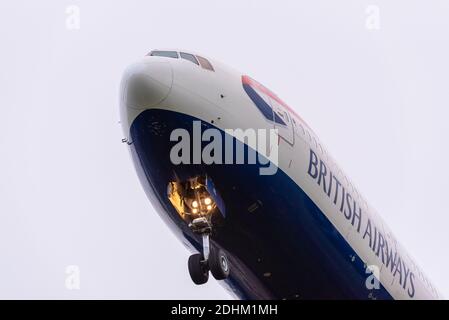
280, 244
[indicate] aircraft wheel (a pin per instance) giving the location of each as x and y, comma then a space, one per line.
198, 269
219, 264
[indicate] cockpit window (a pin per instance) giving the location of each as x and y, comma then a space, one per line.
189, 57
168, 54
205, 63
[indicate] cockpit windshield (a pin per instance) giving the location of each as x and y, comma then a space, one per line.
190, 57
168, 54
198, 60
205, 63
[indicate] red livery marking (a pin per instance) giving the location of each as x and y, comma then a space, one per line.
253, 83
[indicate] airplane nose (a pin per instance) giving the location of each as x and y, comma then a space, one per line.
149, 83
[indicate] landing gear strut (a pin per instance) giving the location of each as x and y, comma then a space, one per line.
211, 259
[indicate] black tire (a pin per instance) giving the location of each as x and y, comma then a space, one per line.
219, 264
197, 269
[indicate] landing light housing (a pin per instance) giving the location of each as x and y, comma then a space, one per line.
194, 198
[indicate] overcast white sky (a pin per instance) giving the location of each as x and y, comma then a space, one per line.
69, 195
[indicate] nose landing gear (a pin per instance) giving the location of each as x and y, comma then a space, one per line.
196, 200
211, 259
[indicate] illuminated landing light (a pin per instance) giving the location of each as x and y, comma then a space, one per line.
194, 211
195, 204
207, 201
209, 207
